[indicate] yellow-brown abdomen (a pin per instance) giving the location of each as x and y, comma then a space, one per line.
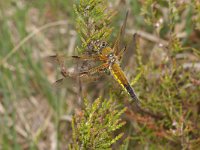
122, 80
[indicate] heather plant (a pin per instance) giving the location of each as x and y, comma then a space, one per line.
95, 127
94, 18
168, 71
161, 63
161, 82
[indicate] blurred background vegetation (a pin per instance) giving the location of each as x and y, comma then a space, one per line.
36, 115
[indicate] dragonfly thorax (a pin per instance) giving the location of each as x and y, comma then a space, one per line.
111, 58
106, 51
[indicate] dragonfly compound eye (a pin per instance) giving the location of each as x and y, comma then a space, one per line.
103, 44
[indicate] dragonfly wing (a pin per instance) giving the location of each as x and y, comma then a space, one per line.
86, 76
118, 42
82, 61
62, 57
98, 69
83, 78
58, 83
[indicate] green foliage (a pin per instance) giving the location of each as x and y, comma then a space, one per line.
162, 84
95, 127
92, 22
148, 12
197, 14
154, 12
167, 86
33, 115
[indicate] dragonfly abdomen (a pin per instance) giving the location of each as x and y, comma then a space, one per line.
132, 93
122, 80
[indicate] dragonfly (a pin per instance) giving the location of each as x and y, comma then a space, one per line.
109, 58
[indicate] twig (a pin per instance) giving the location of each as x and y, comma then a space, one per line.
148, 36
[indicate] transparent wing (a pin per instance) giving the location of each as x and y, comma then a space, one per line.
93, 74
64, 61
77, 67
61, 58
119, 40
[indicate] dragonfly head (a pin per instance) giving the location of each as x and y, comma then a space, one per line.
97, 46
104, 48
